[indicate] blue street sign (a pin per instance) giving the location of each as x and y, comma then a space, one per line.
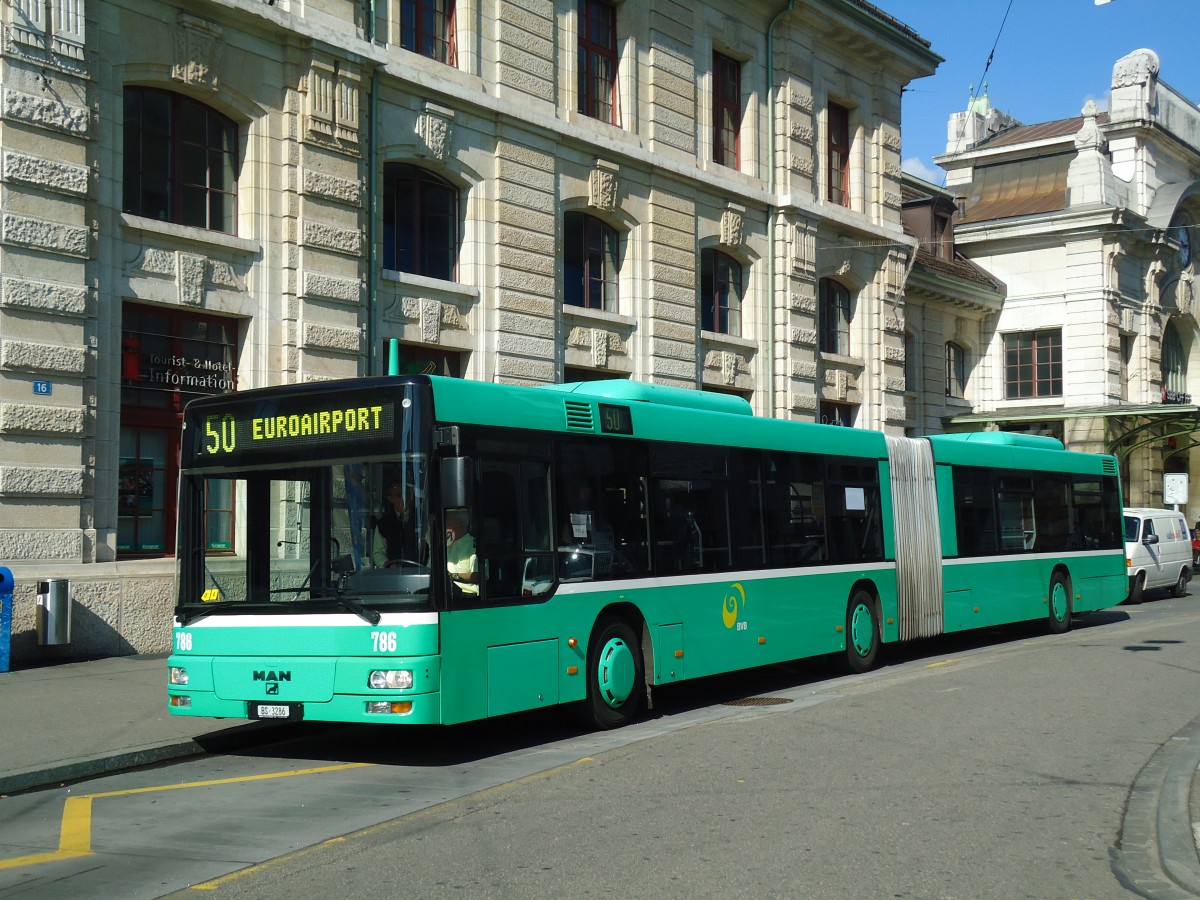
6, 617
44, 388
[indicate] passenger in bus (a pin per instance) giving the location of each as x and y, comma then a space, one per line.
461, 561
395, 538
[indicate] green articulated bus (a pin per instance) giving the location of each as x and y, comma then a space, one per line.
425, 550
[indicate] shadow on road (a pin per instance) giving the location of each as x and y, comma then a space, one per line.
442, 746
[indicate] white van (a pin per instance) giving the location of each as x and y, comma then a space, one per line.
1158, 551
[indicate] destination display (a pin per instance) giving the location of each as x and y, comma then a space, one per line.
233, 431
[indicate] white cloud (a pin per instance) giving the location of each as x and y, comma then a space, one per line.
916, 166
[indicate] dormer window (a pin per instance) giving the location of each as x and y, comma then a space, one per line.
943, 237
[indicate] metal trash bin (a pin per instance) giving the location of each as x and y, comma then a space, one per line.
54, 611
6, 617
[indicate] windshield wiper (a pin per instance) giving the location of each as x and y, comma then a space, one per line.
187, 618
370, 615
351, 603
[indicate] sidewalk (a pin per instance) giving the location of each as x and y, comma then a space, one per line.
74, 720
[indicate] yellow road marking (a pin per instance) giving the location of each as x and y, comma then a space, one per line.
944, 662
75, 833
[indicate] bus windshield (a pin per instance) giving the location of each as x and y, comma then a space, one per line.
272, 524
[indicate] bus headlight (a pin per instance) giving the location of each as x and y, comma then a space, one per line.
390, 679
178, 675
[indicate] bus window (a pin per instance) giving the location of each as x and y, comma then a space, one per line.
1053, 515
855, 527
691, 509
746, 509
794, 505
513, 540
975, 511
601, 519
1018, 523
1096, 506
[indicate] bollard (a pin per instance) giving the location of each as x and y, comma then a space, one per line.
6, 616
54, 611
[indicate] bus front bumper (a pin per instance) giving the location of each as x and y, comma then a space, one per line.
318, 690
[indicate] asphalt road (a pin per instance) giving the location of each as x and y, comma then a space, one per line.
996, 766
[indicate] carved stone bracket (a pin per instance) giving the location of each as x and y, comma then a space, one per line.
431, 321
197, 52
801, 96
190, 278
733, 225
191, 272
435, 129
603, 186
333, 102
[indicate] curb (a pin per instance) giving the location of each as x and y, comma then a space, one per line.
103, 764
1157, 856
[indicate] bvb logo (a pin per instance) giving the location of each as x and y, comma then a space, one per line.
735, 599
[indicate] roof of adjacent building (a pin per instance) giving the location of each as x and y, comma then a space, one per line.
959, 267
1022, 134
1031, 185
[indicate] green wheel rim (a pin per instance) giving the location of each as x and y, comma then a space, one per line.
615, 672
1058, 602
862, 630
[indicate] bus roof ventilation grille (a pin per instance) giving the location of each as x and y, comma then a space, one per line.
579, 416
1110, 466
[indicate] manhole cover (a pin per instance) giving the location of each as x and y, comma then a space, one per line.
757, 701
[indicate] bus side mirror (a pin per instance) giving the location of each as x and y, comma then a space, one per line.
458, 480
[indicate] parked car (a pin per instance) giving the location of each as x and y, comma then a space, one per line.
1158, 551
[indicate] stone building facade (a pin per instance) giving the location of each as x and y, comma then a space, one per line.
951, 307
1090, 222
225, 194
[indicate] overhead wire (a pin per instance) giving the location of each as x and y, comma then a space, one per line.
982, 78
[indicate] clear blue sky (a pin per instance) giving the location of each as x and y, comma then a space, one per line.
1051, 58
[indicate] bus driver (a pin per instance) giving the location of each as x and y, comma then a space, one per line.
460, 552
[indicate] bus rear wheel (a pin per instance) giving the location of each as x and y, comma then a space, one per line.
862, 633
1059, 616
615, 675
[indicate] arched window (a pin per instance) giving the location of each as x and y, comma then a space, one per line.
1174, 361
420, 222
720, 293
833, 316
589, 262
956, 370
180, 161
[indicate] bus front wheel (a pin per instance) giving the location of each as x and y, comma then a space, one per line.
615, 675
1059, 618
862, 633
